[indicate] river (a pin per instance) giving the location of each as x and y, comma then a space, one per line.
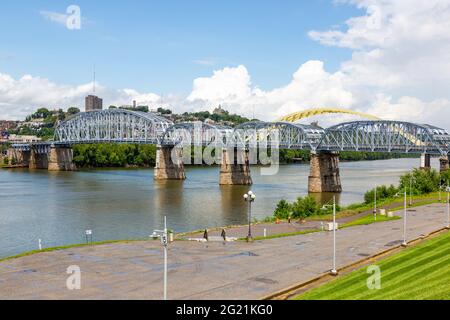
127, 204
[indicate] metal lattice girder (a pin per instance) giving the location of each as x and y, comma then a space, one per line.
386, 136
280, 135
115, 125
196, 134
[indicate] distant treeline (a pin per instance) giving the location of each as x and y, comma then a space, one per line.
135, 155
289, 156
114, 155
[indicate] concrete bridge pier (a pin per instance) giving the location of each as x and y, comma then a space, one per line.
38, 160
18, 158
425, 161
444, 164
60, 159
169, 163
324, 173
235, 167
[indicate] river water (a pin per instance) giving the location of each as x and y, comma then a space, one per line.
128, 204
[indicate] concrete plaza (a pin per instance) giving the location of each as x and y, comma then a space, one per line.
212, 270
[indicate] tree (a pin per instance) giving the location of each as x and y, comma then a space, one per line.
73, 110
304, 207
41, 113
423, 181
283, 210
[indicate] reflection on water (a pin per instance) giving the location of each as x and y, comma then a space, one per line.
326, 198
58, 207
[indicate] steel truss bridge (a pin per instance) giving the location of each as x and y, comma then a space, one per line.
124, 126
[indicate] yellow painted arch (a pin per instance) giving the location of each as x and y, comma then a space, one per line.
294, 117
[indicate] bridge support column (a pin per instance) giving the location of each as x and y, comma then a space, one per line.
425, 161
235, 167
444, 164
60, 159
18, 158
324, 173
169, 163
38, 160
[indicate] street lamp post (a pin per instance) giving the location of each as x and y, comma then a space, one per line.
334, 271
375, 205
249, 197
404, 223
410, 189
163, 234
448, 207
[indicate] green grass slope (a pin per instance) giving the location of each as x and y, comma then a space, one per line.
417, 273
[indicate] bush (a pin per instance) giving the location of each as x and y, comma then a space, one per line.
304, 207
383, 192
423, 181
283, 210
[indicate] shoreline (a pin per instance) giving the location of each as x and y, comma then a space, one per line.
418, 202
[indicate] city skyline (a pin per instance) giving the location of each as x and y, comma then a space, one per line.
386, 59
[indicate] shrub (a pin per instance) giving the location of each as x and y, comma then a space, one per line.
383, 193
304, 207
283, 210
423, 181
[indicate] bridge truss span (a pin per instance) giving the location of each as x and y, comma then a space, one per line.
279, 135
386, 136
196, 134
114, 125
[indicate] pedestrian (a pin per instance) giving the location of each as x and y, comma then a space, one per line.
224, 235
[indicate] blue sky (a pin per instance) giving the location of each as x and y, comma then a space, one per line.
161, 46
263, 57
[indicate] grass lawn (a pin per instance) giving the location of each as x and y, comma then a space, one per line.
417, 273
369, 219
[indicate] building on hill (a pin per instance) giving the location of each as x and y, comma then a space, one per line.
93, 103
219, 111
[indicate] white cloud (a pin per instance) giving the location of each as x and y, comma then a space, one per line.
205, 62
399, 69
20, 97
59, 18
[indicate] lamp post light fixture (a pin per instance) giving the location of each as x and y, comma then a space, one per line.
163, 235
249, 197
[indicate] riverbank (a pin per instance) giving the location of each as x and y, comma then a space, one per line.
129, 204
269, 230
236, 270
282, 228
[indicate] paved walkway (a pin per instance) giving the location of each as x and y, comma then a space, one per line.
284, 226
235, 270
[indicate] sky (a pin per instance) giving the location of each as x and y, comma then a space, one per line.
262, 58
